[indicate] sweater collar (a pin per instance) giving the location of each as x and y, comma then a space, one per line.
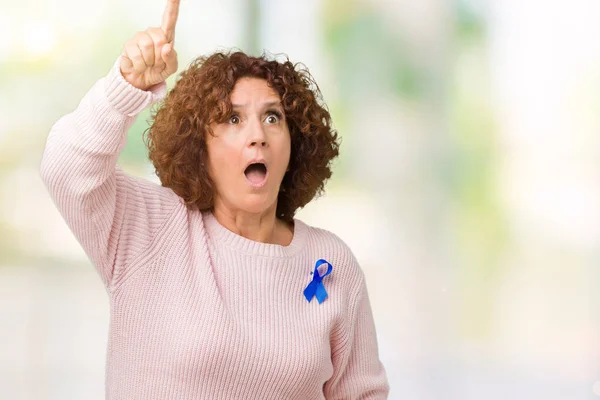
220, 235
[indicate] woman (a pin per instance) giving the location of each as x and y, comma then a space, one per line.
216, 290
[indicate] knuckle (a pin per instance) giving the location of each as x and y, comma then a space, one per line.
158, 36
139, 36
154, 30
146, 43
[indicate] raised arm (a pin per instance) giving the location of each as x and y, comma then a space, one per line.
114, 216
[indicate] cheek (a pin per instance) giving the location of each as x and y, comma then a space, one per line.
285, 150
223, 160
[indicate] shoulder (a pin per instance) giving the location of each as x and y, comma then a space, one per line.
324, 244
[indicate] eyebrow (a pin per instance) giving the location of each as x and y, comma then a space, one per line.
265, 105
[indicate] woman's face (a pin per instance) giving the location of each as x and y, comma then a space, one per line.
256, 133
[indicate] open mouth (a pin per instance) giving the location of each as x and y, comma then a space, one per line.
256, 174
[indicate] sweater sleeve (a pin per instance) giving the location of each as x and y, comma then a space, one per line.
114, 216
358, 372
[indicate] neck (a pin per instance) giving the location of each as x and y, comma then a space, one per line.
261, 227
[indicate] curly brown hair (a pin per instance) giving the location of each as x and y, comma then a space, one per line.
176, 137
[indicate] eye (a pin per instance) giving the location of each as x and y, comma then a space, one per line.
273, 117
234, 119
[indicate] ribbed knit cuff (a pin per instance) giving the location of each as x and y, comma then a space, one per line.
126, 98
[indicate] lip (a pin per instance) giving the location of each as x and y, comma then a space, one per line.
264, 181
256, 161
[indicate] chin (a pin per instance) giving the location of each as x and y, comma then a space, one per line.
258, 204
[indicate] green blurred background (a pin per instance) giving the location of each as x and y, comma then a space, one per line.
468, 184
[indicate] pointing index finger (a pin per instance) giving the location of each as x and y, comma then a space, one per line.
170, 19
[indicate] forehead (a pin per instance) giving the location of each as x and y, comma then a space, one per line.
252, 90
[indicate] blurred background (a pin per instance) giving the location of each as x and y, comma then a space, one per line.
468, 184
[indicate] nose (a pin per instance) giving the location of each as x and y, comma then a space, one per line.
256, 136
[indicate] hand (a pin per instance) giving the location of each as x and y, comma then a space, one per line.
148, 57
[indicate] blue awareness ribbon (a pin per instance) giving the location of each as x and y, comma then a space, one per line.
316, 287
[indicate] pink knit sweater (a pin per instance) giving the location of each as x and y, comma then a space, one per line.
197, 311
